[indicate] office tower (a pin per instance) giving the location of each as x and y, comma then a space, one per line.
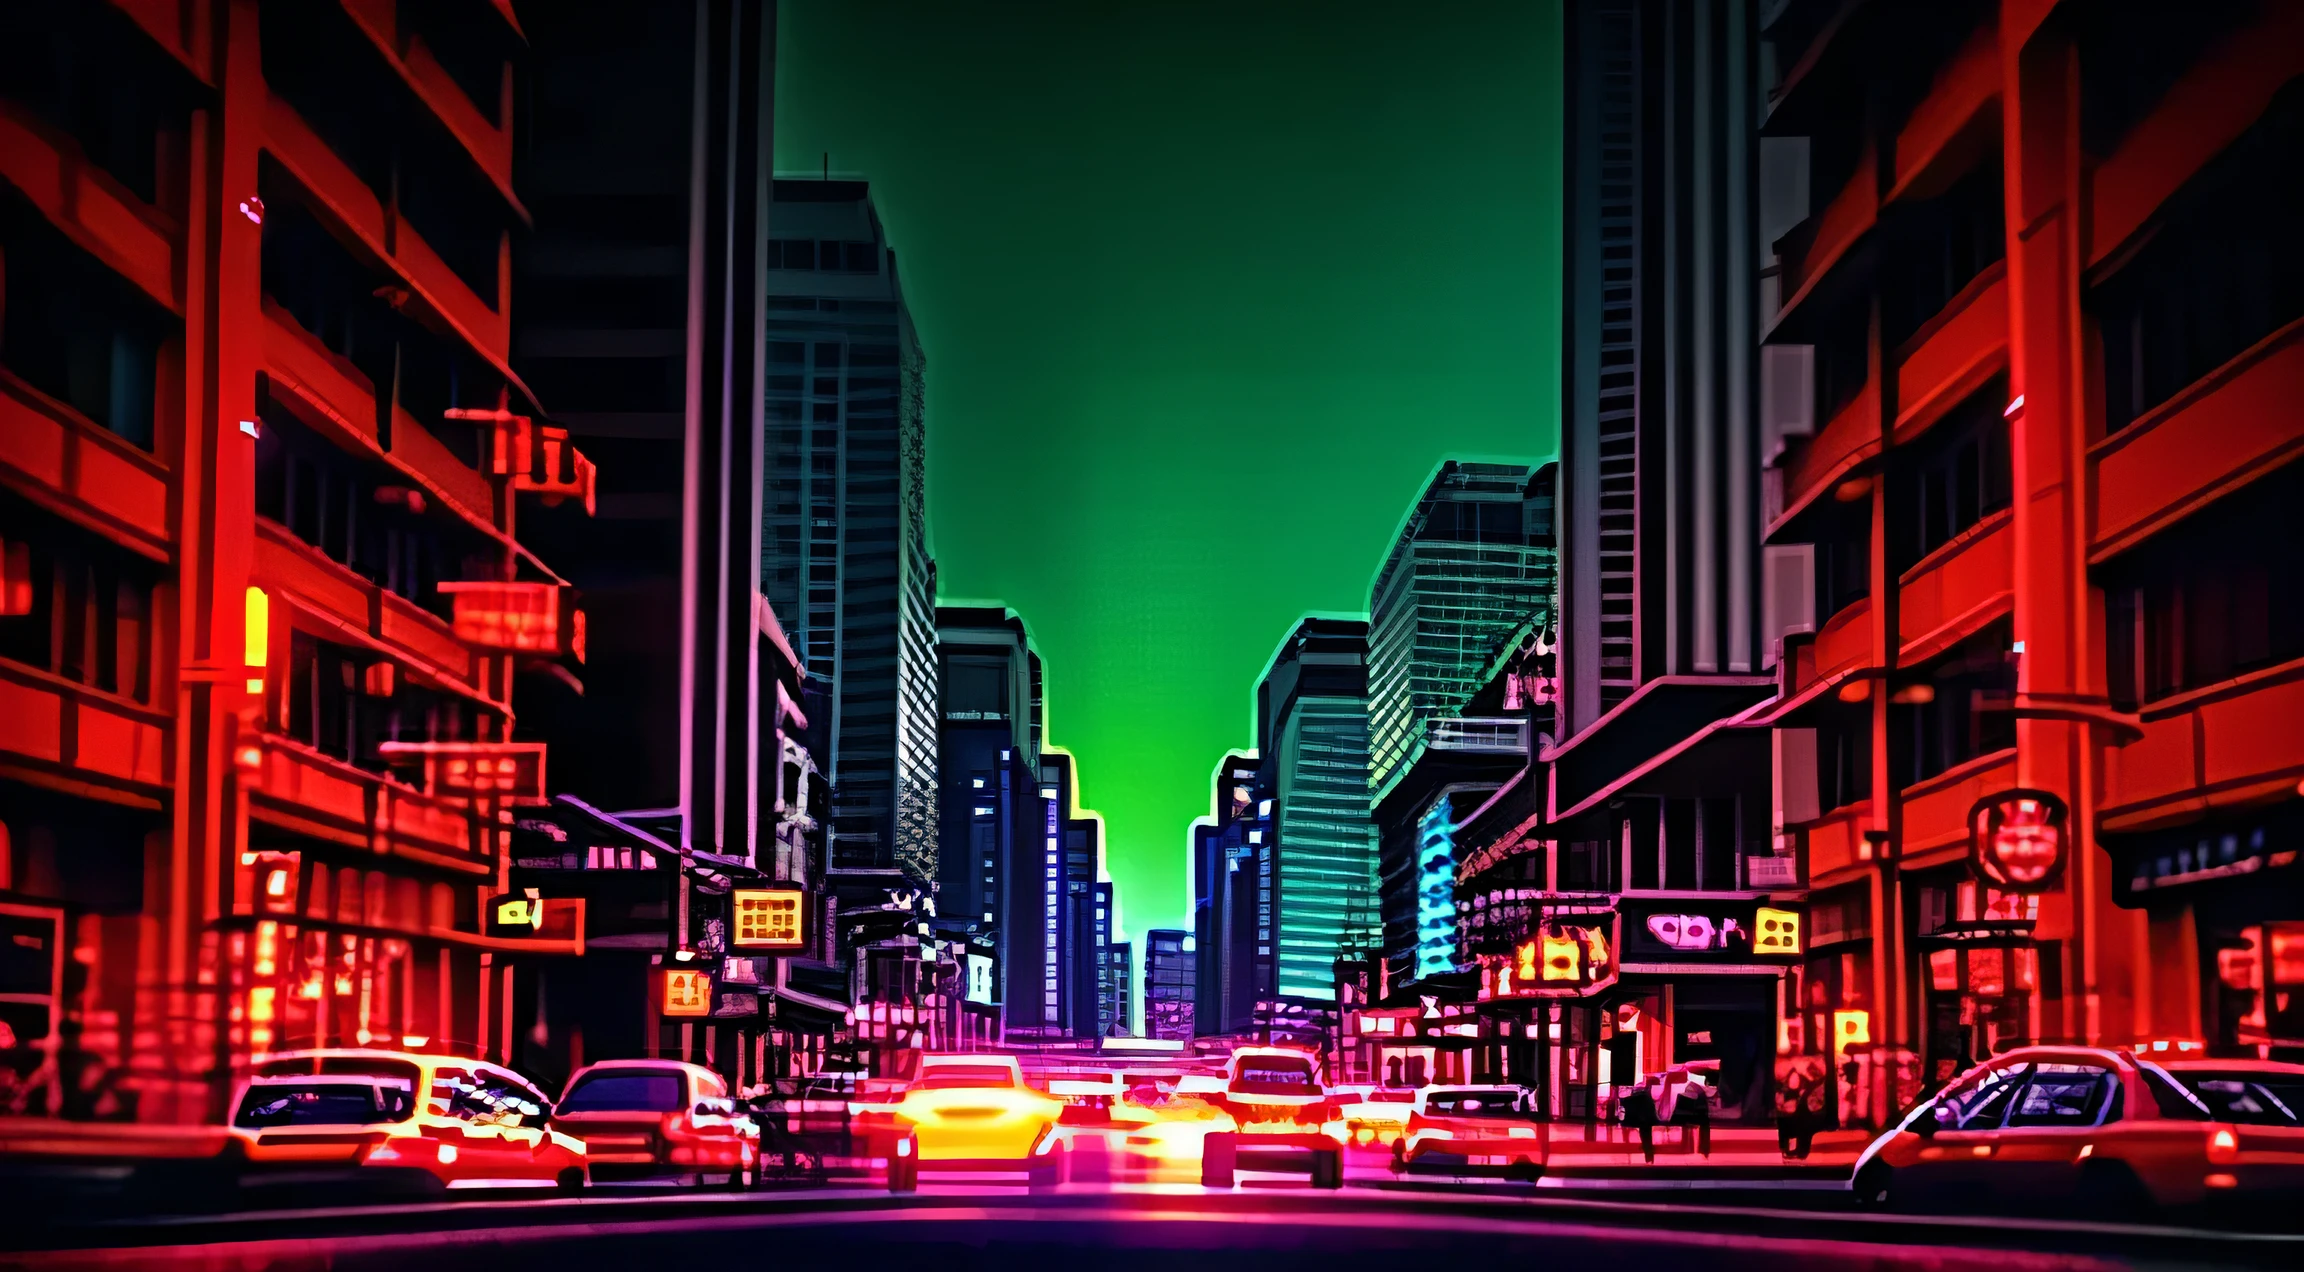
988, 762
1171, 984
1312, 739
1659, 480
1469, 569
1654, 782
601, 333
1232, 898
845, 537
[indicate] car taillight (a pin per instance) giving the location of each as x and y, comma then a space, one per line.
2223, 1146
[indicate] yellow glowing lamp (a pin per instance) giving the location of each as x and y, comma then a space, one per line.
258, 642
687, 992
1776, 931
1851, 1029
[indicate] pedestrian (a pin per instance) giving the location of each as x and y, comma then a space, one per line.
1637, 1106
1692, 1106
1799, 1106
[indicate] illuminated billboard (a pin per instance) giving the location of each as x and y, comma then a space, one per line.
768, 918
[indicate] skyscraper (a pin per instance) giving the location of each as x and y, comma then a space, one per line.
1312, 735
1232, 898
845, 538
988, 761
1170, 984
1472, 564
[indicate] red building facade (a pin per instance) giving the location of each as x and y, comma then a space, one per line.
265, 608
2050, 303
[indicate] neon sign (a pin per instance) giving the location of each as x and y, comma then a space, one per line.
1565, 957
524, 618
2017, 840
767, 918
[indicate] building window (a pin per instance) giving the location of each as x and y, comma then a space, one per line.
1955, 710
75, 330
334, 503
1956, 475
1843, 757
2219, 594
74, 606
1843, 556
1938, 248
2224, 271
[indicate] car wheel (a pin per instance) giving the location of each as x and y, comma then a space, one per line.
1328, 1169
571, 1180
1523, 1171
1218, 1157
1874, 1187
1400, 1157
2111, 1190
903, 1175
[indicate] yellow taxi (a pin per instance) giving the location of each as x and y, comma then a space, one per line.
974, 1112
2035, 1127
399, 1120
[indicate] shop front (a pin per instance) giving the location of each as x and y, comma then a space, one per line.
2235, 882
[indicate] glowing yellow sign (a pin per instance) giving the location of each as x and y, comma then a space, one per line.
768, 918
1776, 931
1851, 1029
687, 992
520, 912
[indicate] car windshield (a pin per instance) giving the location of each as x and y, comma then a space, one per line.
624, 1093
1276, 1071
2259, 1099
965, 1077
323, 1104
1473, 1104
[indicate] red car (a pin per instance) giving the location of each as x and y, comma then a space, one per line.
1463, 1130
2109, 1130
1283, 1120
659, 1119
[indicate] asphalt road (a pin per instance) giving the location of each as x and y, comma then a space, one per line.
1121, 1228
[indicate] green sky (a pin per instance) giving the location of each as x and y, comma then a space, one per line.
1206, 290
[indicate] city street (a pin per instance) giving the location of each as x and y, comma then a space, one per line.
969, 1226
1494, 636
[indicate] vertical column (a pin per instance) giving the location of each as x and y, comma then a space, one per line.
2040, 120
216, 509
731, 167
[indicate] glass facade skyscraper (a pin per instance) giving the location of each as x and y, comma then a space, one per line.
1472, 565
844, 543
1312, 733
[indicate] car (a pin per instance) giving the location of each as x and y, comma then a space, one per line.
1283, 1120
974, 1113
1375, 1117
2046, 1126
399, 1121
1467, 1130
2263, 1102
660, 1119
